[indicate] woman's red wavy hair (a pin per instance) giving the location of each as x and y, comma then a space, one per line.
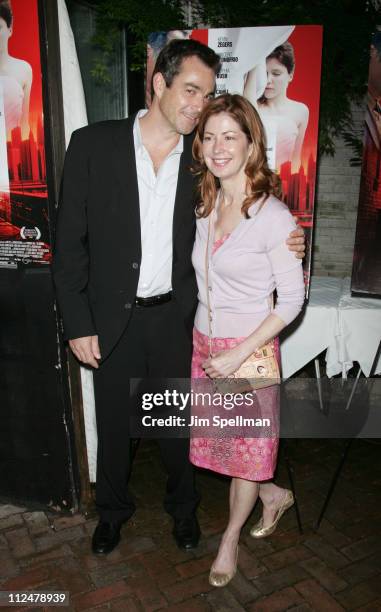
261, 181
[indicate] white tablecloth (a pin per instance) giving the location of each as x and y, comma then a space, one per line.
348, 328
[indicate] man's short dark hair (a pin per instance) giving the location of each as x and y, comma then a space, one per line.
172, 55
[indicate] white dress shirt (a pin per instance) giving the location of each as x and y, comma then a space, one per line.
157, 194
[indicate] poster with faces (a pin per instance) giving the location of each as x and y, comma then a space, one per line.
24, 226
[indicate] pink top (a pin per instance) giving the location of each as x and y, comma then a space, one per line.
219, 242
245, 270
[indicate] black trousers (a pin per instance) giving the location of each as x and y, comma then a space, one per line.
155, 344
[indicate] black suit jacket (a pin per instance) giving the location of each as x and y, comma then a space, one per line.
97, 252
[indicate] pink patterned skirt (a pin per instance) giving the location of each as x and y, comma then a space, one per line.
239, 456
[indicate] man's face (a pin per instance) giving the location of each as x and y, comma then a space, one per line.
182, 102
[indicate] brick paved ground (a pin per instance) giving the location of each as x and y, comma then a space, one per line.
338, 568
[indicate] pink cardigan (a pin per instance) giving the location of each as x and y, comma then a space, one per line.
245, 270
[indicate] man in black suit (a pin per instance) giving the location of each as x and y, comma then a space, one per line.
123, 272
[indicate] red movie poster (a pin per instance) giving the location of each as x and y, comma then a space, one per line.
366, 273
278, 69
24, 232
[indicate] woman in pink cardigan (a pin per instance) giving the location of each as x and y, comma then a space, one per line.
247, 260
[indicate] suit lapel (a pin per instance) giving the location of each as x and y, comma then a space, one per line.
124, 163
185, 185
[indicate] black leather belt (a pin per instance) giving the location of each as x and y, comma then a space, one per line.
154, 300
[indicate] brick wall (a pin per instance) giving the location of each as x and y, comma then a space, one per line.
336, 209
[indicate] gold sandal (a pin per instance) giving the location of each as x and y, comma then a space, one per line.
218, 579
258, 531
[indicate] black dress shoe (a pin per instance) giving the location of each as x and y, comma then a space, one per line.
106, 536
186, 532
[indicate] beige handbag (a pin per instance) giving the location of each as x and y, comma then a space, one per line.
259, 370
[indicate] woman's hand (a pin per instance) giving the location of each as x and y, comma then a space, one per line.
224, 363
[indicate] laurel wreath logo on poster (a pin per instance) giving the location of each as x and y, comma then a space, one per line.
31, 233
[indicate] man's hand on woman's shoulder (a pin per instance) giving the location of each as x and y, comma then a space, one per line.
297, 242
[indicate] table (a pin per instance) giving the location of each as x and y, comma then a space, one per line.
347, 328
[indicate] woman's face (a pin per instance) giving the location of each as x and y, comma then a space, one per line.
5, 34
225, 146
278, 79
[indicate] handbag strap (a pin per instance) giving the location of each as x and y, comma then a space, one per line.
207, 282
210, 218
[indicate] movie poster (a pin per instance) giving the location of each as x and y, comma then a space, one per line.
366, 272
278, 69
24, 232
